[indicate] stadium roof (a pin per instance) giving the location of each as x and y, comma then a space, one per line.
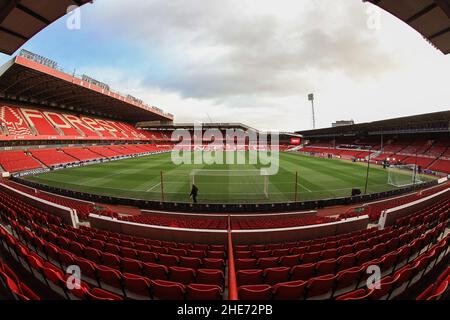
431, 18
220, 126
27, 81
20, 20
430, 122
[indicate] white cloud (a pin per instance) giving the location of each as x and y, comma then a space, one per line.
254, 61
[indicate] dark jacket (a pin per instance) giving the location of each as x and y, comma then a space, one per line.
194, 191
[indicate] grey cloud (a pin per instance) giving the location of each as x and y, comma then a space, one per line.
251, 54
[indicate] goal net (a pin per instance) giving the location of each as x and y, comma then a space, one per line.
245, 184
403, 175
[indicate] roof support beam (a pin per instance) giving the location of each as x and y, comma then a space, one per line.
7, 8
14, 34
33, 14
444, 5
36, 84
421, 13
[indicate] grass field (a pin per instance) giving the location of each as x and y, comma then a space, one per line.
140, 178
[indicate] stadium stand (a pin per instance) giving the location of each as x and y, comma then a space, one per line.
81, 154
429, 153
32, 124
14, 161
52, 157
138, 268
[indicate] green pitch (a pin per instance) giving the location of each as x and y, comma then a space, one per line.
140, 178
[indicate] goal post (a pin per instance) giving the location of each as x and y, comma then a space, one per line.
246, 182
403, 175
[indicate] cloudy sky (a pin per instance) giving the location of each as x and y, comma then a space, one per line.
255, 61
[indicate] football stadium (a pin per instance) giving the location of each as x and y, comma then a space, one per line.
104, 196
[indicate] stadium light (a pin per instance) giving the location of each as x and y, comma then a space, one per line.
311, 98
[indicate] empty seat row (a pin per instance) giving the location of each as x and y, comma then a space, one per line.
110, 283
298, 255
352, 281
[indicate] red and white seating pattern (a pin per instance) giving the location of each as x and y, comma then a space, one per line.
31, 124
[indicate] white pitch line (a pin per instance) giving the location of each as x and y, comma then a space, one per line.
302, 186
156, 185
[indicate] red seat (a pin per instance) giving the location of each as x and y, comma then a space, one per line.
360, 294
203, 292
66, 258
77, 249
211, 263
131, 266
129, 253
158, 249
200, 246
189, 262
321, 287
280, 252
270, 262
360, 245
217, 247
245, 264
167, 290
276, 275
440, 291
325, 267
97, 244
243, 255
310, 257
112, 248
388, 262
299, 250
88, 270
93, 254
155, 271
315, 247
346, 262
78, 292
177, 252
168, 259
111, 260
110, 279
54, 278
289, 261
364, 256
255, 292
196, 253
348, 280
345, 249
249, 277
136, 287
215, 254
146, 256
210, 276
403, 276
329, 254
99, 294
303, 272
258, 254
182, 275
293, 290
386, 286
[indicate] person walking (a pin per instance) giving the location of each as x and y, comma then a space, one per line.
194, 193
